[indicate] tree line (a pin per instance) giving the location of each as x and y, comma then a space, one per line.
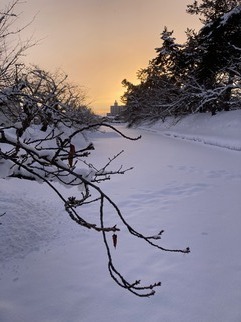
201, 75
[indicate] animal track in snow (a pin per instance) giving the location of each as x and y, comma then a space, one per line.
212, 174
166, 195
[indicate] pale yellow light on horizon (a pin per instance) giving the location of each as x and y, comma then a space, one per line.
98, 43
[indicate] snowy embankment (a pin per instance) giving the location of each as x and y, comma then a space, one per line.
222, 130
52, 270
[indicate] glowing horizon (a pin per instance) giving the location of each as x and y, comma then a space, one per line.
98, 43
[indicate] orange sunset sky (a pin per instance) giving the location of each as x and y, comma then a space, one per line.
98, 43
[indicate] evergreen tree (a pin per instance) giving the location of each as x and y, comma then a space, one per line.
211, 9
218, 47
203, 74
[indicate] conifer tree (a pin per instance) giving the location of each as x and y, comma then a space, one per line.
218, 46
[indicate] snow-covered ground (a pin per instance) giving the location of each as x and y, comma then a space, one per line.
52, 270
223, 129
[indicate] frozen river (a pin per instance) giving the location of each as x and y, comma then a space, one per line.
58, 273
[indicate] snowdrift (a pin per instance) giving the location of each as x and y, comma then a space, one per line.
221, 130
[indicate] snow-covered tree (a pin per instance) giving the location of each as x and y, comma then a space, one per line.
201, 75
211, 10
11, 48
44, 137
59, 155
159, 84
217, 67
153, 98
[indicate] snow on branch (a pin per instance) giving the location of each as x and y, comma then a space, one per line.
45, 157
44, 127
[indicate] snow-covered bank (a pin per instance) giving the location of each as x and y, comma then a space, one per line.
221, 130
52, 270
